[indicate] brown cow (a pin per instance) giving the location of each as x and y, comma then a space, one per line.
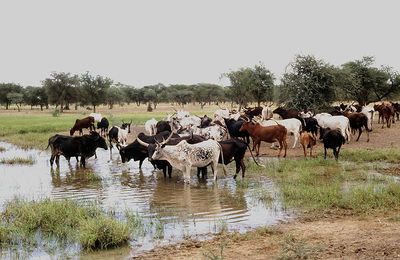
386, 112
87, 122
269, 134
307, 140
357, 121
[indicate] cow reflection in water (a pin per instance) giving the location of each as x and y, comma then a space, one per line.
75, 178
198, 201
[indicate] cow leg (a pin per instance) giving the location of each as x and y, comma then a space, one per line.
198, 172
52, 159
214, 166
186, 174
366, 130
296, 138
95, 155
140, 163
359, 133
169, 168
164, 169
304, 150
58, 160
83, 162
335, 153
325, 153
243, 166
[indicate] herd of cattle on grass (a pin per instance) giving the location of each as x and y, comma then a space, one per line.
183, 141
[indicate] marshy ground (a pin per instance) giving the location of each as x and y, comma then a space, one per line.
346, 209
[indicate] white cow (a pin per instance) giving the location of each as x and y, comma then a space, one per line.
369, 112
220, 114
215, 132
190, 122
292, 125
266, 113
335, 122
97, 116
150, 126
184, 156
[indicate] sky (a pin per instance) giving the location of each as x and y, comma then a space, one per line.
187, 42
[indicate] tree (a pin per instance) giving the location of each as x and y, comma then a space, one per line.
206, 93
251, 84
365, 83
6, 88
60, 88
263, 84
308, 84
95, 89
114, 95
35, 96
15, 98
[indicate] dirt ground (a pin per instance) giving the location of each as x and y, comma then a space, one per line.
333, 237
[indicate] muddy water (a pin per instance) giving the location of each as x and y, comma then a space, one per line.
171, 210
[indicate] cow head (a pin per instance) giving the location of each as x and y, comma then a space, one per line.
126, 125
247, 126
71, 131
100, 141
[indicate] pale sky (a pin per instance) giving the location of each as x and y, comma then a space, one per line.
169, 41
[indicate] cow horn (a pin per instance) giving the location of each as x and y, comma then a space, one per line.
166, 141
142, 143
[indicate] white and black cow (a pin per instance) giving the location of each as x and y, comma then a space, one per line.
184, 156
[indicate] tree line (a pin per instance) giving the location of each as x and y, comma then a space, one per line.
308, 83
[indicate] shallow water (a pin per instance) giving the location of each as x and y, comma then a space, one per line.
176, 210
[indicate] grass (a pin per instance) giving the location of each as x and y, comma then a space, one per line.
390, 155
26, 223
319, 185
293, 248
32, 129
18, 160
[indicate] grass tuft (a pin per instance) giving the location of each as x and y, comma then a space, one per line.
18, 160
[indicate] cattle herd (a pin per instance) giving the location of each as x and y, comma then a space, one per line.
183, 141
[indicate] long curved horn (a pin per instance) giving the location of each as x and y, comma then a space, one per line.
142, 143
166, 141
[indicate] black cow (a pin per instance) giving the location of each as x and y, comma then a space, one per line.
234, 126
84, 146
289, 113
311, 125
103, 126
251, 112
333, 139
162, 126
205, 121
138, 152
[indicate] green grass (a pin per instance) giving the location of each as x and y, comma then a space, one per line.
391, 155
18, 160
26, 223
320, 185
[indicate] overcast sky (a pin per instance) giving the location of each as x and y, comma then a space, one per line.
168, 41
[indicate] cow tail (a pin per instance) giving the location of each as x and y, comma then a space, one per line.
222, 159
254, 159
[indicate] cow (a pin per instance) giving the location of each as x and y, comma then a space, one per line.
396, 107
386, 112
268, 134
368, 111
184, 155
252, 112
357, 121
289, 113
119, 135
84, 146
307, 140
266, 113
311, 125
205, 121
334, 122
151, 126
103, 126
163, 164
87, 122
333, 139
220, 114
215, 132
234, 126
138, 152
162, 126
292, 125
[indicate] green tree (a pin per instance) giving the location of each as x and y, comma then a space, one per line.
206, 93
114, 95
263, 84
364, 83
308, 84
95, 89
60, 88
5, 89
35, 96
16, 98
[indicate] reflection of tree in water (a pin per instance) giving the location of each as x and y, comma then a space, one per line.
76, 177
172, 199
